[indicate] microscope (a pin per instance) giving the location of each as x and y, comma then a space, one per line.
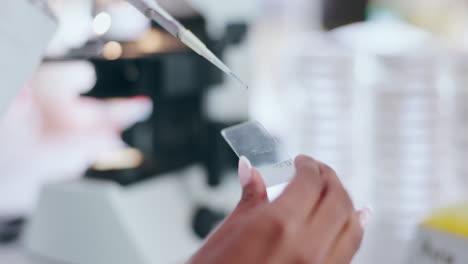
159, 210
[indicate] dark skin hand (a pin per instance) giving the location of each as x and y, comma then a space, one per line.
313, 221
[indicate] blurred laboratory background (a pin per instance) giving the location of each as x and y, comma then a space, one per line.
114, 142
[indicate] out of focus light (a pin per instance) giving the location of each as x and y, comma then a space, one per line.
128, 158
112, 50
151, 42
102, 23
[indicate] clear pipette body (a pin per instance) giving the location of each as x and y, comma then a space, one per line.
155, 12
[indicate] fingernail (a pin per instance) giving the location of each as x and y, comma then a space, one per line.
245, 171
365, 217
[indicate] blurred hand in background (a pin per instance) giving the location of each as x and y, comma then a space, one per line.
51, 133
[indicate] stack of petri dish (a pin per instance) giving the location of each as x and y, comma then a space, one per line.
408, 150
320, 83
460, 118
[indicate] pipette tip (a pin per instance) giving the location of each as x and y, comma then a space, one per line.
239, 80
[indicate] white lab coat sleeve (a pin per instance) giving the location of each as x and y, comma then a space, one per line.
25, 31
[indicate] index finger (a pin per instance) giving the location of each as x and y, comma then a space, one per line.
303, 193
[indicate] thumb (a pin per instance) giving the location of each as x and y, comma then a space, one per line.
253, 187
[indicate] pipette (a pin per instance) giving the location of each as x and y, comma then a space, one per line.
155, 12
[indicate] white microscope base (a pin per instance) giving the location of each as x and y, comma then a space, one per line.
100, 222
